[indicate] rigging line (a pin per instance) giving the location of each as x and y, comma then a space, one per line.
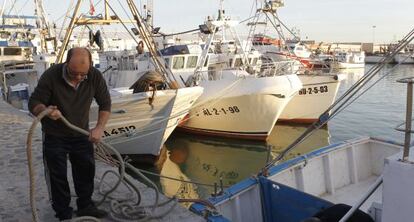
287, 28
342, 108
317, 125
123, 24
245, 20
154, 52
373, 70
24, 4
11, 8
252, 8
275, 26
18, 16
67, 15
371, 73
376, 81
180, 33
310, 132
71, 6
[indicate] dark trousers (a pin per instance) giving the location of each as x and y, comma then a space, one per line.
80, 151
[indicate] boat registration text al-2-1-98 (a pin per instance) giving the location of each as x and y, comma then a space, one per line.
220, 111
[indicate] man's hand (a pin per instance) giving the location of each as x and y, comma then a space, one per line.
55, 113
95, 134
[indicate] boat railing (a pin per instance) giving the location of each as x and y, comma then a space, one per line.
408, 117
409, 81
277, 68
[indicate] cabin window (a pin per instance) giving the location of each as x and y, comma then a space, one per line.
12, 51
191, 62
178, 62
238, 62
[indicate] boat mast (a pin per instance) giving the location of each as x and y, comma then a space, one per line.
2, 9
68, 33
47, 33
149, 13
75, 20
142, 28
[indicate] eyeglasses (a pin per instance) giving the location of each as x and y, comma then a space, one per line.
76, 75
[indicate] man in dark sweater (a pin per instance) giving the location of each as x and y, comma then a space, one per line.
68, 89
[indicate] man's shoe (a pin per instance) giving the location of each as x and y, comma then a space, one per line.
92, 211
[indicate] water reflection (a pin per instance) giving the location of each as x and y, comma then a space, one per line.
283, 135
208, 159
353, 75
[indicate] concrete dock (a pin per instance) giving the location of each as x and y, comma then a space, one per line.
14, 182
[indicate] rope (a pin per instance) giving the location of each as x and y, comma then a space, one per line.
35, 216
120, 209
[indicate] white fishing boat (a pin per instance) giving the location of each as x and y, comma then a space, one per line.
376, 58
404, 58
318, 93
237, 104
16, 36
349, 60
140, 123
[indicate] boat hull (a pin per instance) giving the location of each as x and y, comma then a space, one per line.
317, 94
137, 126
248, 109
344, 65
404, 58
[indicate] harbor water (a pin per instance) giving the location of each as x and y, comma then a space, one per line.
210, 160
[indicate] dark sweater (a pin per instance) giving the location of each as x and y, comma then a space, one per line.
74, 104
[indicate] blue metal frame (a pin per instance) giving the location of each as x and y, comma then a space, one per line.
280, 201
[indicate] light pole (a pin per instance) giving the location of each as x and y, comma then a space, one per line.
373, 36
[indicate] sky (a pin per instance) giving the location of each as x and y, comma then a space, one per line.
382, 21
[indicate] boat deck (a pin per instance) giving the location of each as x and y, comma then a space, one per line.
14, 182
353, 193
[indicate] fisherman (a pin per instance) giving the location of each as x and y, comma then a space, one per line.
68, 90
